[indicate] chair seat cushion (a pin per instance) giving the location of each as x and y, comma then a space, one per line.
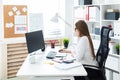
94, 74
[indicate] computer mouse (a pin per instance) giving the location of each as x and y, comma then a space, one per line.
60, 50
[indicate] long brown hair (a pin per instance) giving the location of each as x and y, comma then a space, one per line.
82, 27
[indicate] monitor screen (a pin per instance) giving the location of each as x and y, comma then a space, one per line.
35, 41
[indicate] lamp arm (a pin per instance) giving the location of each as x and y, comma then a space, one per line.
65, 21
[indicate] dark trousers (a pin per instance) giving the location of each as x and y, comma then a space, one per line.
92, 73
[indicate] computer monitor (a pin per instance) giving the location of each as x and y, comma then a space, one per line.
35, 41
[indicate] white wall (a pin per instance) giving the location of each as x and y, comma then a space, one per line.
1, 20
0, 35
0, 64
15, 2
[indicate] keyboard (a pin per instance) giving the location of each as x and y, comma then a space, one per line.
51, 54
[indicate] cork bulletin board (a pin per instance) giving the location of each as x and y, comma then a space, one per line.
15, 21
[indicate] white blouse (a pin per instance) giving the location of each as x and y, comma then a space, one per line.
82, 51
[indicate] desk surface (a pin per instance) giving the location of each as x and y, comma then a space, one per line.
41, 68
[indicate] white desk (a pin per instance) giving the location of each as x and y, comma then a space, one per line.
41, 68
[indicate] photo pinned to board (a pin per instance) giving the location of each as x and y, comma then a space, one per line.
20, 29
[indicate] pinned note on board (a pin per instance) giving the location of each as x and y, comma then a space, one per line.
24, 9
18, 12
10, 13
14, 9
20, 19
9, 25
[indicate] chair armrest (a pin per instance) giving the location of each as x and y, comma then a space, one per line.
85, 65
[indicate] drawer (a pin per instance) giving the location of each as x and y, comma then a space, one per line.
112, 63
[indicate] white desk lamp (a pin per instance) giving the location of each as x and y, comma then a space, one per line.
56, 17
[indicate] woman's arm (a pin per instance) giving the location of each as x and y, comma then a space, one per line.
79, 50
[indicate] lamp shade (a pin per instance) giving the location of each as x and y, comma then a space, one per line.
55, 18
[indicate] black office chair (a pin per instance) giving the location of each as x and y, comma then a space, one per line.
101, 57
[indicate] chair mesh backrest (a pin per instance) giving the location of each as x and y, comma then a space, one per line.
103, 50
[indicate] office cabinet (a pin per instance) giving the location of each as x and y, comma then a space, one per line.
113, 67
113, 62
